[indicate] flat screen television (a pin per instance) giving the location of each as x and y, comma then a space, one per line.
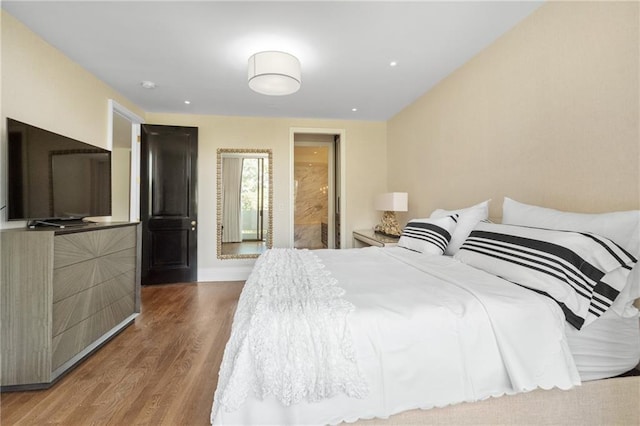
55, 178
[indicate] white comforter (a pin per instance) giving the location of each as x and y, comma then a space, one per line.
427, 332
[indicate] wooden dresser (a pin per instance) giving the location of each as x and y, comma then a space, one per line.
64, 293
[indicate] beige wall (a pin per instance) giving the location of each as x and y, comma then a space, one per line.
548, 115
41, 86
366, 175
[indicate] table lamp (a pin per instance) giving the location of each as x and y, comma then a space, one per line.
390, 203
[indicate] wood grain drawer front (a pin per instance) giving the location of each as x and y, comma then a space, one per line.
25, 307
72, 341
82, 246
77, 277
74, 309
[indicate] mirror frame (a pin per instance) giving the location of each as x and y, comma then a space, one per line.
269, 241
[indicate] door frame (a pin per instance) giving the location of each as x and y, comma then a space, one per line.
134, 184
341, 191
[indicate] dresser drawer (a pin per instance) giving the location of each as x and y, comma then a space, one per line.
76, 308
72, 341
63, 293
78, 277
82, 246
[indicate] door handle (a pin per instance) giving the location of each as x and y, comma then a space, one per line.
193, 225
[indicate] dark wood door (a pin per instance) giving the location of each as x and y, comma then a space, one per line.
168, 207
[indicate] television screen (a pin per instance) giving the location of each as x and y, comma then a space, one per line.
55, 177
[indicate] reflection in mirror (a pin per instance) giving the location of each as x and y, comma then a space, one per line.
80, 183
244, 198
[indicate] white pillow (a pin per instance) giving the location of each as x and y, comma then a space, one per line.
622, 228
584, 272
428, 236
468, 219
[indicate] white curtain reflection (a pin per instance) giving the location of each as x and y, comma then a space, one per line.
231, 200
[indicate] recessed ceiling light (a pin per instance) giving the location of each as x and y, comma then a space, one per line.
148, 84
354, 109
187, 102
393, 63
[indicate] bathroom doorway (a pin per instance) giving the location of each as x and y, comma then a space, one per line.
316, 202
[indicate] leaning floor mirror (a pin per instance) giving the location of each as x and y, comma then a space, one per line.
244, 200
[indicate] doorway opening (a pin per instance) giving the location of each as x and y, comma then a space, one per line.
316, 189
121, 169
123, 139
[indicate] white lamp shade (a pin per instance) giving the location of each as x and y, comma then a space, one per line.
274, 73
392, 202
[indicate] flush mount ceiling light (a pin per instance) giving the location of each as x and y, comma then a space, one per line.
274, 73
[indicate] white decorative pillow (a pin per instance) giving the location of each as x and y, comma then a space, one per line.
623, 228
428, 236
468, 219
583, 272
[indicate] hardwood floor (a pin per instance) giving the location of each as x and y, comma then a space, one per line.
245, 247
162, 370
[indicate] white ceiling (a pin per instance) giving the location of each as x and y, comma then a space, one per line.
198, 51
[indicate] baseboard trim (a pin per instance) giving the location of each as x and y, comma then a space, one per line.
225, 273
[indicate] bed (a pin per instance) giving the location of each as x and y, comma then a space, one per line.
335, 336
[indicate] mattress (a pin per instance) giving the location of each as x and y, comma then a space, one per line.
427, 332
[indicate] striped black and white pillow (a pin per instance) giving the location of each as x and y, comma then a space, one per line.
582, 272
428, 236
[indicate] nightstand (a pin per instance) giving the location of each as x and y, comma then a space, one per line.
367, 237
